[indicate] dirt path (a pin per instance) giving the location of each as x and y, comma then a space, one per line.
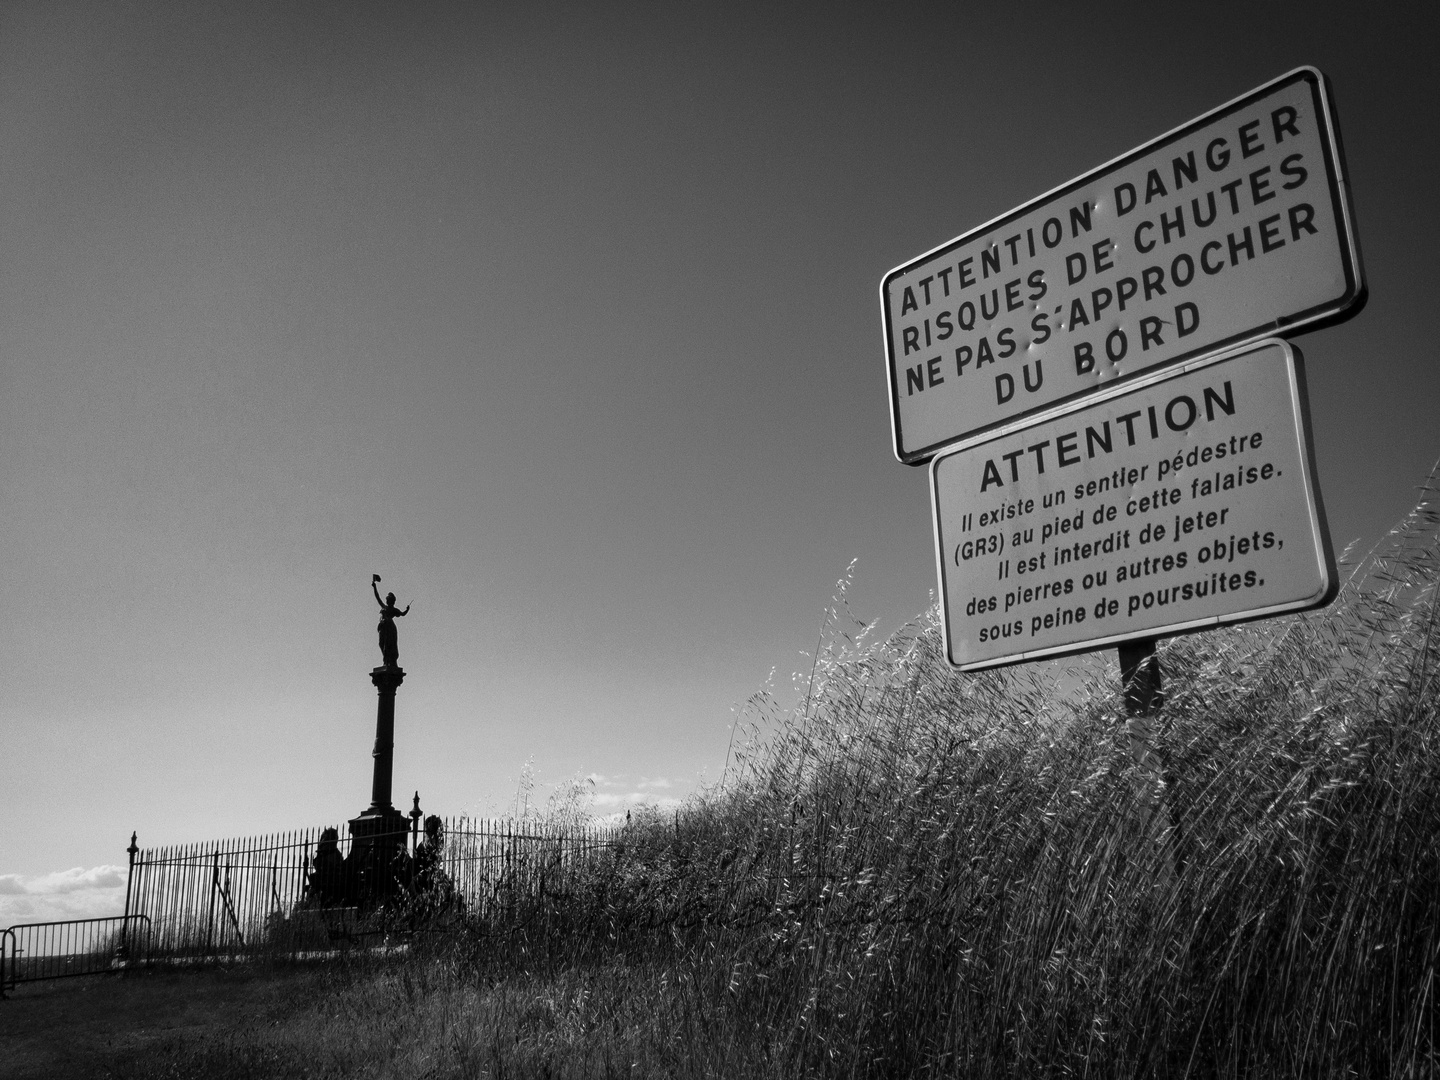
100, 1026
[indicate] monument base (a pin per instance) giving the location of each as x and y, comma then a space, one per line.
379, 826
379, 864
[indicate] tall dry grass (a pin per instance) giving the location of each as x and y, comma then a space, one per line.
916, 871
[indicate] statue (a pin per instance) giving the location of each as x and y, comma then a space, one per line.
327, 880
389, 640
433, 890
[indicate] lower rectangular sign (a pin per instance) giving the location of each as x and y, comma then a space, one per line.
1177, 504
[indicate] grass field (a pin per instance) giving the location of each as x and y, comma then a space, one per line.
917, 873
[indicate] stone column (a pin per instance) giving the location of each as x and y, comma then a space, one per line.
387, 680
380, 830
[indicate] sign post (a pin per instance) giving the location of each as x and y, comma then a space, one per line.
1117, 452
1179, 503
1141, 682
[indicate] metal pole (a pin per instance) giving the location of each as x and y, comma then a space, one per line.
1144, 696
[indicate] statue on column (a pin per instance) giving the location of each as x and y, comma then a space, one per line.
389, 639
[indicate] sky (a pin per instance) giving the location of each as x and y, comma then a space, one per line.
564, 319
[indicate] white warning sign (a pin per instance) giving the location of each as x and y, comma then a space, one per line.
1231, 228
1184, 502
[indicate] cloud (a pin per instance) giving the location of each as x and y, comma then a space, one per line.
616, 794
76, 893
63, 881
610, 807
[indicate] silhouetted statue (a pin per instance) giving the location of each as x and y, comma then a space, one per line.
389, 640
327, 881
434, 891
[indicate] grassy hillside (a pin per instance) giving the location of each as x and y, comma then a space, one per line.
920, 873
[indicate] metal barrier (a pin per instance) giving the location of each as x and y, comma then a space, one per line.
295, 892
58, 950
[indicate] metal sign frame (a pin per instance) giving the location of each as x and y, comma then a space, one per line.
1337, 308
1319, 533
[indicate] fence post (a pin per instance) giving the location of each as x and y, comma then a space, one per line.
124, 951
214, 888
7, 933
414, 839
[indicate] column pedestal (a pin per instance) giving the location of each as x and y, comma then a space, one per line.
378, 833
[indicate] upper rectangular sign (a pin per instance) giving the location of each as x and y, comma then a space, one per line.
1231, 228
1178, 502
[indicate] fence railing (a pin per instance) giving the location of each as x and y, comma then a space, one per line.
494, 863
297, 892
30, 952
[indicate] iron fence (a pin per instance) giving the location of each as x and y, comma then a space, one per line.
30, 952
315, 890
493, 864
